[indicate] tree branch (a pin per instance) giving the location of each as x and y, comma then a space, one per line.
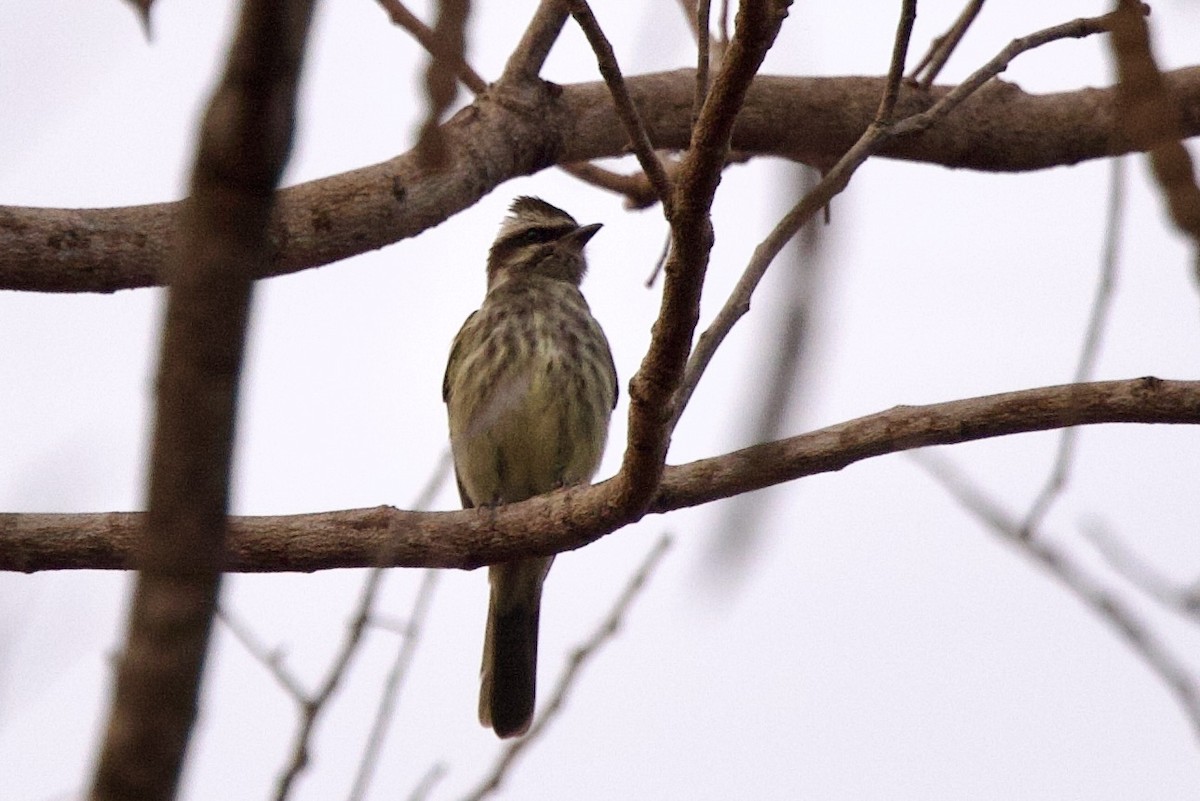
571, 518
244, 144
813, 120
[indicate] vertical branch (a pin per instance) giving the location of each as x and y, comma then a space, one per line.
653, 388
244, 144
904, 28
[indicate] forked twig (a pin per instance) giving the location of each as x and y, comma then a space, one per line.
940, 50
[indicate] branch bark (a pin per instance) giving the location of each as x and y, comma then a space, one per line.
571, 518
813, 120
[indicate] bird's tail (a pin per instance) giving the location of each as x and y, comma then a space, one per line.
508, 677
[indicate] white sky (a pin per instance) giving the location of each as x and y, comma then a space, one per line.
882, 645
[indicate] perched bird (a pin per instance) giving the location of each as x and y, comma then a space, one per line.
529, 389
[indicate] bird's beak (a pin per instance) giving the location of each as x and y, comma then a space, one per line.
580, 236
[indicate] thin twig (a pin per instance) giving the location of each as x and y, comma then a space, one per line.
943, 46
1108, 605
312, 706
575, 664
425, 36
425, 786
271, 659
703, 53
891, 91
658, 264
1056, 482
627, 112
1075, 29
388, 698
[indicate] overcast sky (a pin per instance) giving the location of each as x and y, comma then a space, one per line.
879, 643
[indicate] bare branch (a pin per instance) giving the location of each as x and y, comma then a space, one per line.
568, 678
269, 658
1075, 29
653, 387
244, 144
390, 695
571, 518
887, 105
1109, 606
814, 120
530, 54
1182, 601
627, 112
873, 140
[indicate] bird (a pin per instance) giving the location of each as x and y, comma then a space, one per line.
529, 387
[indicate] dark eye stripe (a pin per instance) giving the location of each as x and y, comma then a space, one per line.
537, 235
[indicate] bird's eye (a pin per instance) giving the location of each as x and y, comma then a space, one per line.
536, 236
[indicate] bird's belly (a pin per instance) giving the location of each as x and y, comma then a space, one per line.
536, 432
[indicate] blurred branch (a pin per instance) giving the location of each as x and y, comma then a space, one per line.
1181, 600
573, 517
1151, 117
448, 38
1090, 351
425, 36
940, 50
814, 120
567, 679
245, 138
391, 686
1108, 605
783, 359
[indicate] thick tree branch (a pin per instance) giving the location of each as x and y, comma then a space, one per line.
814, 120
572, 518
180, 553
